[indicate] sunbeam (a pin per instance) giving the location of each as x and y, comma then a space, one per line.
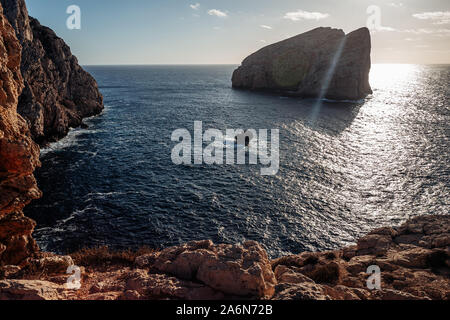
326, 82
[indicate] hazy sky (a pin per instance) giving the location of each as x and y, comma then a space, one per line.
226, 31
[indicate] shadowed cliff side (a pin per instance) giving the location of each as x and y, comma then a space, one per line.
58, 93
323, 63
19, 156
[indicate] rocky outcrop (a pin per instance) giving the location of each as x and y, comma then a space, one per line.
323, 63
29, 290
414, 260
240, 270
58, 93
19, 156
43, 92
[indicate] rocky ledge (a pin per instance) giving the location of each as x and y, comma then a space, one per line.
414, 260
57, 92
323, 63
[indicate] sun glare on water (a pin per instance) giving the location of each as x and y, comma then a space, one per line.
383, 75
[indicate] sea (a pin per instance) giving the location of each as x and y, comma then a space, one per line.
345, 168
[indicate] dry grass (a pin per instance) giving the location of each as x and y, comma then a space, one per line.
326, 274
104, 257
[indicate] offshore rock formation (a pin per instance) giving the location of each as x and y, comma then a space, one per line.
58, 93
323, 63
19, 156
414, 260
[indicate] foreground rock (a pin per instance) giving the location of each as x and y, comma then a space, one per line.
29, 290
19, 156
58, 93
241, 270
414, 260
322, 63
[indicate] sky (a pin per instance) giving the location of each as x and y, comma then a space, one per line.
226, 31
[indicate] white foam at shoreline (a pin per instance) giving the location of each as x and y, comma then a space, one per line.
71, 138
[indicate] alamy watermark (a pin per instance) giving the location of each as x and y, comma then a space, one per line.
73, 22
374, 280
74, 280
230, 148
374, 19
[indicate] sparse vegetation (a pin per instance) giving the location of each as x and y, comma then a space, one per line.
328, 273
312, 259
330, 255
104, 256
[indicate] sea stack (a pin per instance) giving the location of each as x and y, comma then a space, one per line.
58, 93
321, 63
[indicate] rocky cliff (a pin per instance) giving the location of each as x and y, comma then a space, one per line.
43, 92
57, 92
323, 63
414, 261
19, 155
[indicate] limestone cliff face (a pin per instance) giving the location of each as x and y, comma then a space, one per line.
58, 93
19, 155
323, 63
43, 92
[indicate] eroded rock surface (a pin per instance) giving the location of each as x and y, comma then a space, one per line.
29, 290
323, 63
19, 156
43, 92
414, 260
241, 270
58, 93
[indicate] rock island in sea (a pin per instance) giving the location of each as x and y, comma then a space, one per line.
321, 63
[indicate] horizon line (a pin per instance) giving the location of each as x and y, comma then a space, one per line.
233, 64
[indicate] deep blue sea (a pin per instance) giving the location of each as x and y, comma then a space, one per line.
355, 167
